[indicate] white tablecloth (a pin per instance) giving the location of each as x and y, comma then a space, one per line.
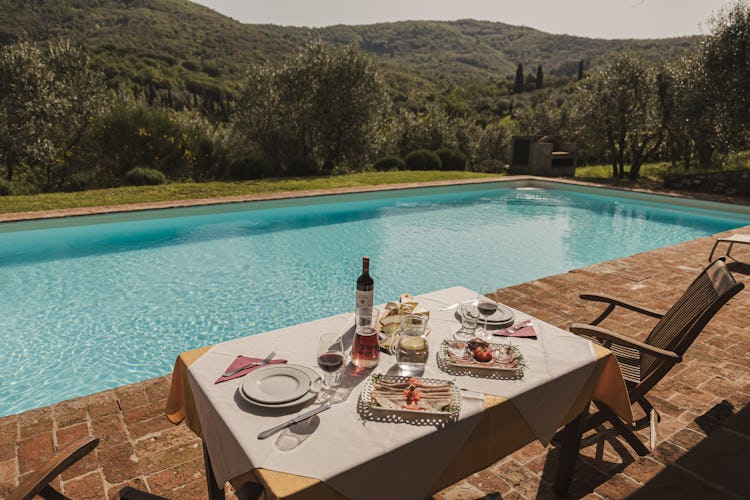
347, 451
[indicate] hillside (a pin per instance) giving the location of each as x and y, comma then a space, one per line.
181, 53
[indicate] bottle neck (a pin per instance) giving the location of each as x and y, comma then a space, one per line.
365, 265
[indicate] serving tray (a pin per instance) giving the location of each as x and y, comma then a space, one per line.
450, 410
505, 358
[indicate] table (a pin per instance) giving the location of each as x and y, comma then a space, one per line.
498, 430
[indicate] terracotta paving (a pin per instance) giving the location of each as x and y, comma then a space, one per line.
703, 438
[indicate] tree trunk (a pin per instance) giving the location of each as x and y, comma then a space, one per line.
11, 165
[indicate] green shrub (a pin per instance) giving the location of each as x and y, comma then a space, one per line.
422, 159
389, 163
251, 167
5, 189
141, 176
302, 165
451, 159
491, 166
135, 135
77, 181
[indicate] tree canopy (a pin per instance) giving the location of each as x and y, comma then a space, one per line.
321, 110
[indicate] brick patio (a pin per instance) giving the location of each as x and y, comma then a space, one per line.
703, 439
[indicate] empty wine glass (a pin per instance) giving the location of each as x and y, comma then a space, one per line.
487, 307
330, 358
469, 313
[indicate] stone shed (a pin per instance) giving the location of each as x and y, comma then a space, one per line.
547, 156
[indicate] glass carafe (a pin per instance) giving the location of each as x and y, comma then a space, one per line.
409, 344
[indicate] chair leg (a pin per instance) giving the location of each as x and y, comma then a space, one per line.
652, 417
50, 493
654, 421
713, 249
571, 444
624, 430
594, 420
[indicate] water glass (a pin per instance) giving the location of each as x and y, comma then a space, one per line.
365, 348
469, 318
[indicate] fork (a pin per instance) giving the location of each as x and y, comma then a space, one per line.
262, 362
515, 328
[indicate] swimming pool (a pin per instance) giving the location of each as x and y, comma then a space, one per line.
95, 302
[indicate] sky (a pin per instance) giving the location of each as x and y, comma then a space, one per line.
590, 18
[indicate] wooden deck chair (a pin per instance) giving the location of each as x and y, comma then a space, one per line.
37, 483
644, 364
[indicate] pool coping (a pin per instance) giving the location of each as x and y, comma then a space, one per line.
693, 197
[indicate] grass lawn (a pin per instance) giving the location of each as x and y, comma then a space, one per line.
186, 191
652, 176
654, 173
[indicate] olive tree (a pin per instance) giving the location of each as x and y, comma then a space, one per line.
620, 107
326, 105
726, 59
47, 99
28, 109
694, 131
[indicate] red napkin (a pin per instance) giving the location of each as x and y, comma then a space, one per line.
526, 331
243, 360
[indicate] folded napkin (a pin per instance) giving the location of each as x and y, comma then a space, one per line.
522, 330
243, 360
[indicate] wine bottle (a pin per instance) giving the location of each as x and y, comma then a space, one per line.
365, 285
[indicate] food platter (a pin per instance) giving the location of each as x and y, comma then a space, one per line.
428, 396
505, 357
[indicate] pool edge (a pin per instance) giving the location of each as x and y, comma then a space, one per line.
702, 200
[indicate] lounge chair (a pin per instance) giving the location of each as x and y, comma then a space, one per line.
644, 364
741, 239
37, 483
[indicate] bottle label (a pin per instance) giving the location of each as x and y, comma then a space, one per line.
364, 299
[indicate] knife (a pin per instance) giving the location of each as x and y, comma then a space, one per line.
452, 306
298, 418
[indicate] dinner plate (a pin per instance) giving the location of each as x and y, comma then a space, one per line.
276, 384
312, 393
502, 316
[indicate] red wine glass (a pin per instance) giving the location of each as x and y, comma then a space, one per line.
330, 357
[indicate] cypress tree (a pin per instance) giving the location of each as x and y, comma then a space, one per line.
539, 77
518, 85
580, 70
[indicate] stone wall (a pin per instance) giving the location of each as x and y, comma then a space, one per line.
732, 183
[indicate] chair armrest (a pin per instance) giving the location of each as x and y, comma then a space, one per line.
610, 337
618, 302
40, 478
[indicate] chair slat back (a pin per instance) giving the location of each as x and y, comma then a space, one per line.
682, 323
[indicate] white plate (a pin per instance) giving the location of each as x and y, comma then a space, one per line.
312, 393
276, 384
502, 316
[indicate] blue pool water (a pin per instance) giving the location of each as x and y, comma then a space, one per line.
92, 303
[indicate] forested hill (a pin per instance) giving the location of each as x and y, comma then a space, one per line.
182, 52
